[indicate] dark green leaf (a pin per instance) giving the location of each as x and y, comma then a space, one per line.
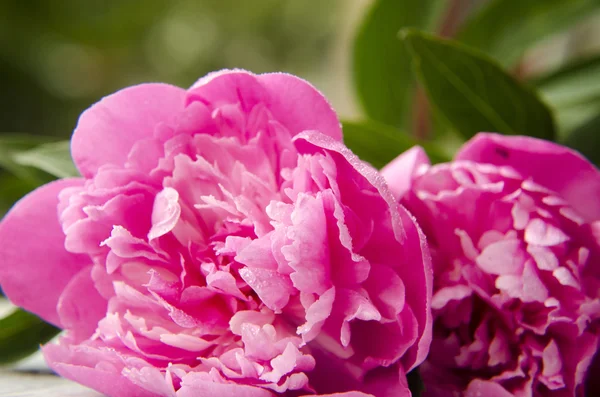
504, 29
571, 117
53, 158
381, 65
13, 188
11, 145
472, 91
19, 141
21, 334
586, 140
378, 143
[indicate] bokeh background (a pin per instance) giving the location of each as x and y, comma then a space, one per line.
59, 57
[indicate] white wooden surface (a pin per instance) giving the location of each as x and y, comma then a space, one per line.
32, 378
14, 383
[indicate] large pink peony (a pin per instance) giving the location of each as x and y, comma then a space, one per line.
222, 242
514, 225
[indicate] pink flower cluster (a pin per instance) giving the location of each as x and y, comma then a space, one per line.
222, 241
514, 229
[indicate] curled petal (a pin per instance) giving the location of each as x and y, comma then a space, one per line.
106, 132
399, 173
35, 267
553, 166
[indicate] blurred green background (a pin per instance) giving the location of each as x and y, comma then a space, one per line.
59, 57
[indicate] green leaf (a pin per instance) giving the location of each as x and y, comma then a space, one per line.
13, 188
378, 143
571, 117
21, 334
53, 158
12, 144
15, 142
586, 140
573, 91
17, 179
381, 65
473, 93
504, 29
574, 84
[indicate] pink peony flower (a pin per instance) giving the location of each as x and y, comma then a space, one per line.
222, 242
514, 226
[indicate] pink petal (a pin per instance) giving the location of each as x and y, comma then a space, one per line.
499, 350
106, 132
386, 289
543, 257
309, 229
447, 294
249, 316
354, 305
80, 306
298, 105
399, 172
316, 315
387, 382
229, 87
273, 288
542, 233
99, 369
35, 267
292, 101
165, 213
480, 388
152, 379
346, 394
502, 257
336, 376
553, 166
406, 232
198, 384
257, 254
552, 367
386, 343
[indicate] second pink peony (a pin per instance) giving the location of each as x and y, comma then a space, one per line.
513, 225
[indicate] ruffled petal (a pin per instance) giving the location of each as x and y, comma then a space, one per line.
347, 394
97, 368
479, 388
106, 132
299, 106
294, 102
228, 87
80, 306
210, 384
35, 267
399, 172
553, 166
414, 267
